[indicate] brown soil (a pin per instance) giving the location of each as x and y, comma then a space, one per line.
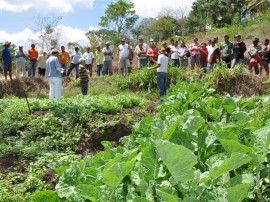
112, 133
246, 85
50, 178
20, 86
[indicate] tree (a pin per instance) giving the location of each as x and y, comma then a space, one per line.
100, 36
49, 33
119, 17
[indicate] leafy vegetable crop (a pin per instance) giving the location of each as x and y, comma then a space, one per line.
201, 147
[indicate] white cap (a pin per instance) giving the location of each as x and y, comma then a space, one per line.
107, 42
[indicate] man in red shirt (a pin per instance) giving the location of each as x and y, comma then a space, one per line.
152, 53
33, 55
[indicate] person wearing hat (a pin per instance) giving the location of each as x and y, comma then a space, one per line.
226, 51
42, 63
254, 52
123, 53
99, 60
53, 72
89, 60
20, 62
162, 68
239, 48
75, 62
33, 55
107, 59
7, 60
83, 75
213, 55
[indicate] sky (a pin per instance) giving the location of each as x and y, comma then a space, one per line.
19, 18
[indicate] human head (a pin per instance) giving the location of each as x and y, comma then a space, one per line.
195, 40
76, 49
88, 49
123, 41
44, 53
266, 42
164, 44
203, 45
209, 42
237, 37
98, 48
7, 44
182, 43
63, 48
140, 39
216, 38
176, 43
107, 44
54, 51
256, 41
33, 46
226, 38
20, 48
172, 41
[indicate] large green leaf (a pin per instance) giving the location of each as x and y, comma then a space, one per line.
234, 146
235, 161
166, 195
262, 138
45, 196
140, 199
116, 173
87, 191
193, 124
238, 193
178, 159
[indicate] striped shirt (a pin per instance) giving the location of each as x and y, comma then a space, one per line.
83, 73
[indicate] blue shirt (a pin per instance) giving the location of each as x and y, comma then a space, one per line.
6, 55
53, 67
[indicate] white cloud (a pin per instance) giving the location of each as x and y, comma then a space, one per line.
64, 6
25, 37
147, 9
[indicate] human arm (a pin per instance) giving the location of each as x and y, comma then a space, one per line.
154, 67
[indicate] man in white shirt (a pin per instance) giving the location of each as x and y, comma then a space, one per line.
89, 60
141, 51
20, 62
174, 55
123, 53
107, 59
162, 68
75, 62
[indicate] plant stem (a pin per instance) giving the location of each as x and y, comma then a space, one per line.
258, 191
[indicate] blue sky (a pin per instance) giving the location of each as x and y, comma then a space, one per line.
18, 17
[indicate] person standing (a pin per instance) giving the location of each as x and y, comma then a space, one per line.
195, 54
204, 54
53, 72
7, 60
174, 56
42, 63
84, 76
152, 53
64, 59
33, 55
99, 60
239, 48
140, 51
107, 60
182, 53
255, 52
226, 51
20, 62
162, 68
213, 55
123, 53
89, 60
75, 62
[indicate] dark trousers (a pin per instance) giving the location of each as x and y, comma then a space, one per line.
176, 62
84, 87
32, 68
227, 61
162, 83
72, 66
99, 69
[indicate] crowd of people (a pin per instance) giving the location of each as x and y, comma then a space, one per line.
57, 64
